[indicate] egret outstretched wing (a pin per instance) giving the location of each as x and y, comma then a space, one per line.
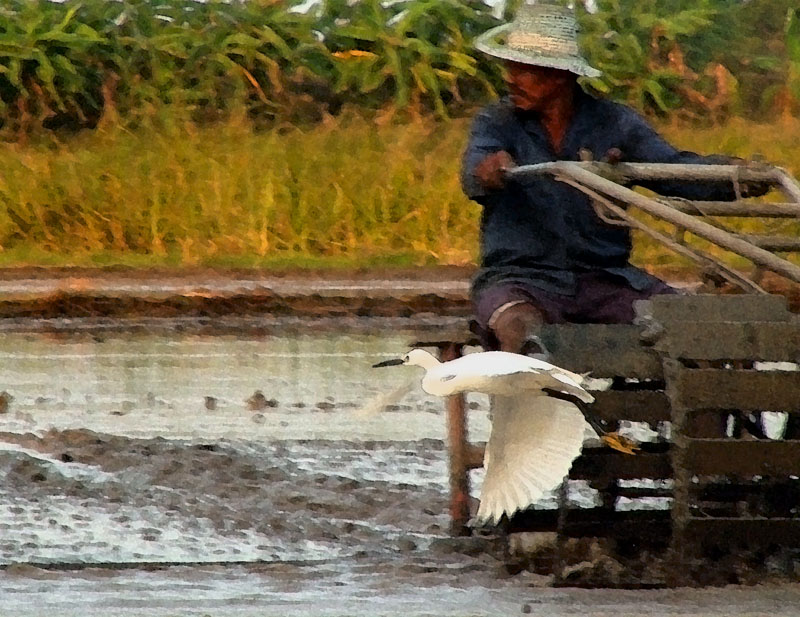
539, 415
533, 442
499, 372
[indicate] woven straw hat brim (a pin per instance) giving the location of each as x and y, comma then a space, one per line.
488, 44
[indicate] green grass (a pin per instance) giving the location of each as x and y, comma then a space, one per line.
353, 191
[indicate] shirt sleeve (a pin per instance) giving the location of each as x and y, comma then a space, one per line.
485, 138
644, 145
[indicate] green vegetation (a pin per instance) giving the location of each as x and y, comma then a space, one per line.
175, 132
346, 192
79, 62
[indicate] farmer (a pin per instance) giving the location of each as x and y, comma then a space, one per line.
546, 257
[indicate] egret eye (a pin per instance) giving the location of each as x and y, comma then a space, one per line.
405, 359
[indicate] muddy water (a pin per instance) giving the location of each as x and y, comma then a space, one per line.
137, 479
121, 452
313, 387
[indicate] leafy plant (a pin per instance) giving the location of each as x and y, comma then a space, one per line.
80, 62
410, 52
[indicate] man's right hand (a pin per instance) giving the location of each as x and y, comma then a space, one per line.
490, 172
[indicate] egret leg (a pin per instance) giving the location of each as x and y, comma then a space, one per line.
612, 439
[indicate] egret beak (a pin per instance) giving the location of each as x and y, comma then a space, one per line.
392, 362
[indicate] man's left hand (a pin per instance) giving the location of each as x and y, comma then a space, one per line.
751, 189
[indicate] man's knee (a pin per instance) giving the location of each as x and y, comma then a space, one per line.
515, 325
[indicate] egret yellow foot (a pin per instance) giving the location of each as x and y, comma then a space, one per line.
620, 443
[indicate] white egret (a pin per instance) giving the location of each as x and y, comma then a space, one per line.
539, 414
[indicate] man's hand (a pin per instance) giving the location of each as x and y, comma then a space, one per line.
490, 172
751, 189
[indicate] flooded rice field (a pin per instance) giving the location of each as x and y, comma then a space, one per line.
145, 474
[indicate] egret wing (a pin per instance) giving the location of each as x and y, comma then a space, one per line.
536, 380
499, 372
533, 441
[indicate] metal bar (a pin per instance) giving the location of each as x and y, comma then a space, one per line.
634, 405
681, 472
788, 184
754, 531
457, 445
776, 244
770, 341
668, 309
602, 465
733, 208
645, 172
598, 522
601, 203
605, 350
743, 458
746, 390
718, 236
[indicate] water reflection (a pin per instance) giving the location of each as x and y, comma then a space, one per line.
156, 385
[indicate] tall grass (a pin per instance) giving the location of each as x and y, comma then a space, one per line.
173, 192
349, 191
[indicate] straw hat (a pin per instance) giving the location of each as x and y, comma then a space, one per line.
542, 34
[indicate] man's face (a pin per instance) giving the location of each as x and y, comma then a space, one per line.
533, 87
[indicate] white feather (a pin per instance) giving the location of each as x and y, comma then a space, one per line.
534, 437
531, 448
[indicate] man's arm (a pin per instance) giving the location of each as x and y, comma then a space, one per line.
644, 145
485, 160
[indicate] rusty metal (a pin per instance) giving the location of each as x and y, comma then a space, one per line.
653, 172
635, 406
743, 458
606, 464
681, 473
604, 206
695, 392
743, 531
458, 446
604, 350
594, 177
747, 209
759, 341
744, 390
669, 309
598, 522
724, 490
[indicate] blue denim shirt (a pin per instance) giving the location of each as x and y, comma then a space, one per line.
543, 231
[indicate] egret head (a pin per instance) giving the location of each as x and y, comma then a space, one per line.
415, 357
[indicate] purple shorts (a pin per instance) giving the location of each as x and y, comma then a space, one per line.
600, 298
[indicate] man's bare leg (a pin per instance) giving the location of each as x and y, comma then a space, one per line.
516, 326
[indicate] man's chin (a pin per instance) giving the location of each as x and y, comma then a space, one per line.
519, 102
522, 103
